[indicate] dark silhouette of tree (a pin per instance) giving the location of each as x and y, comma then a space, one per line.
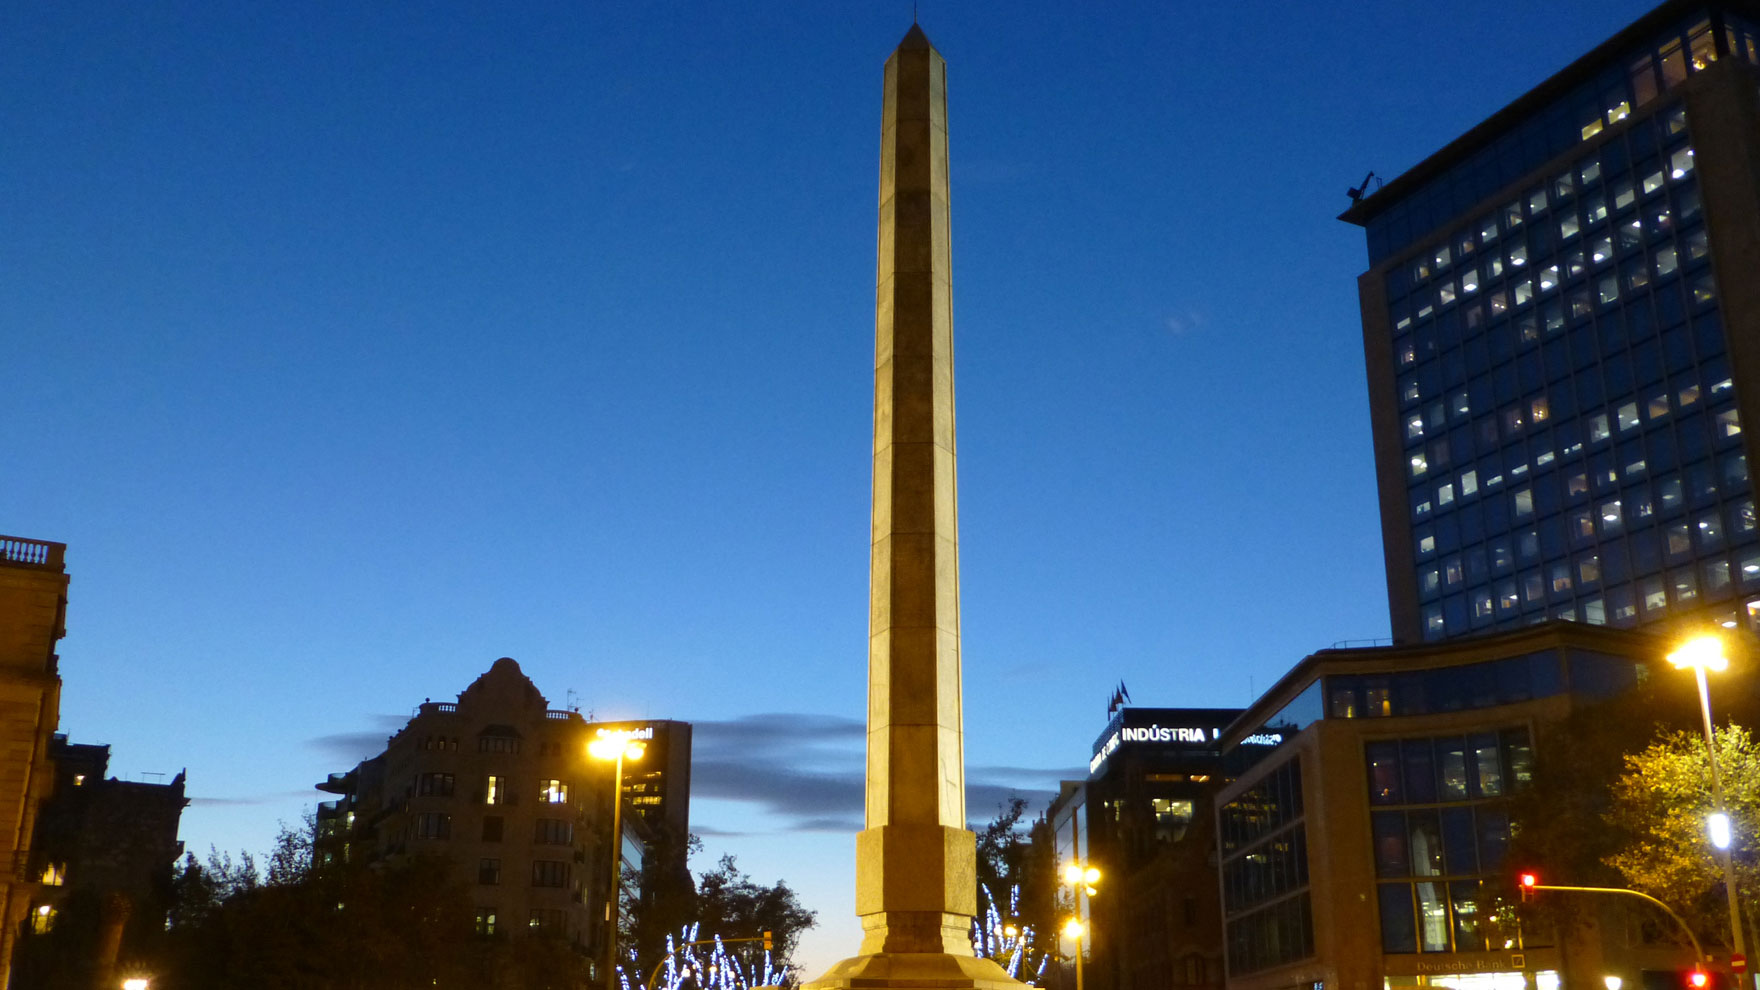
733, 905
1569, 825
1017, 888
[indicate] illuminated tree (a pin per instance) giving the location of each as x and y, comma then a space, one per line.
1660, 806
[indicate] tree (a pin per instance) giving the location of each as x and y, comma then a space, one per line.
1017, 890
1660, 806
1568, 826
733, 905
402, 924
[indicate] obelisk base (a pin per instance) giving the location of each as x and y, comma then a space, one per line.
915, 971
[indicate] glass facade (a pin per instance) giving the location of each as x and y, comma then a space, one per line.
1572, 447
1266, 905
1626, 85
1440, 828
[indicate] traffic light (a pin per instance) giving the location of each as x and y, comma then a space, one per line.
767, 940
1698, 979
1528, 882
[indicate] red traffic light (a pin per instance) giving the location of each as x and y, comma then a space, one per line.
1698, 979
1528, 880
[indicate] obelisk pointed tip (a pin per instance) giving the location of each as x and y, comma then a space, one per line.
915, 39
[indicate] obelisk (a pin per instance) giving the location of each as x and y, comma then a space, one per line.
916, 885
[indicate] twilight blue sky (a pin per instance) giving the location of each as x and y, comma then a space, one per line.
352, 346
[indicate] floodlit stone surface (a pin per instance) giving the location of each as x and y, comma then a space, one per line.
916, 881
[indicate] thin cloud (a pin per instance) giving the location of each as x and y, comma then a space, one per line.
250, 800
1184, 322
842, 825
807, 771
353, 747
717, 833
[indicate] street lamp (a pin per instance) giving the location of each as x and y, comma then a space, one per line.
1073, 928
617, 746
135, 983
1701, 654
1081, 880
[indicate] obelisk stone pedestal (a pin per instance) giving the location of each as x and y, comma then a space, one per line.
916, 881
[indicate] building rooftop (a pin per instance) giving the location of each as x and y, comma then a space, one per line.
1556, 87
17, 551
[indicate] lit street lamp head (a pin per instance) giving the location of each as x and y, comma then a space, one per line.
1702, 652
1718, 825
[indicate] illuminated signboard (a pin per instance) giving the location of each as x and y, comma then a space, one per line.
1169, 729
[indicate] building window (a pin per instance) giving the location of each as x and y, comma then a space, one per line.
433, 825
485, 921
43, 919
553, 791
495, 791
546, 920
553, 832
497, 744
54, 875
489, 871
549, 873
492, 826
1172, 816
434, 785
1448, 838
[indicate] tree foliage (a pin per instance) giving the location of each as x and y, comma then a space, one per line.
723, 902
733, 905
1584, 815
1017, 890
394, 924
1659, 808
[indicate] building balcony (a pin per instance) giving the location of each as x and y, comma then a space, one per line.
42, 555
338, 783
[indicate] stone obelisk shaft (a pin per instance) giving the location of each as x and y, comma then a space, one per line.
916, 882
914, 867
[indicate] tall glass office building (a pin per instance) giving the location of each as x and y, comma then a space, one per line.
1561, 322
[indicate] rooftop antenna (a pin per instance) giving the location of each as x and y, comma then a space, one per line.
1356, 192
573, 705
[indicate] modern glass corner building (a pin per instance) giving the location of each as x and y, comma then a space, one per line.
1561, 322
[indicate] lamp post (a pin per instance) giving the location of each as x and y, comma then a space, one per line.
616, 746
1701, 654
1081, 880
